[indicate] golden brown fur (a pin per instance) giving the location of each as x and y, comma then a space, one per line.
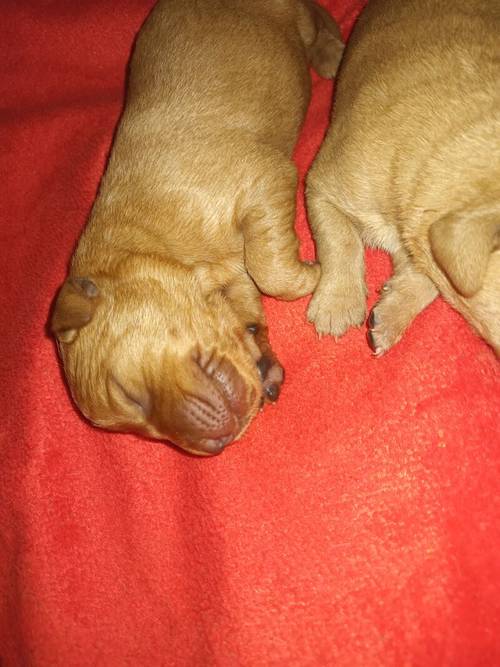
411, 164
160, 324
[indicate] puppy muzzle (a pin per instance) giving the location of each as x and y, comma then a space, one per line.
217, 408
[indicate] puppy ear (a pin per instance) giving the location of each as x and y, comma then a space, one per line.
462, 245
322, 39
74, 308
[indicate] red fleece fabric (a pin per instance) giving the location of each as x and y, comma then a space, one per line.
356, 523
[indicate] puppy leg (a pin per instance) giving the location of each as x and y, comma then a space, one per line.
405, 295
247, 302
339, 301
271, 245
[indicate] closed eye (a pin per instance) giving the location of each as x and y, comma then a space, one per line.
121, 394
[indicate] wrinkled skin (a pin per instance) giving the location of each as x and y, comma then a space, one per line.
160, 323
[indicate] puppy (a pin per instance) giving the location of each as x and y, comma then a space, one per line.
411, 164
160, 324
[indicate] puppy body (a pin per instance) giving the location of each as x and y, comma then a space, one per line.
411, 164
160, 324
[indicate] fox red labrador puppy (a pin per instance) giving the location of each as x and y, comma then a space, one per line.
160, 325
411, 164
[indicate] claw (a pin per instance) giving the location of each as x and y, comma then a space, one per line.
371, 341
273, 392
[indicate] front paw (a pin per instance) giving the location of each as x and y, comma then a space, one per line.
272, 376
404, 296
333, 312
270, 370
386, 324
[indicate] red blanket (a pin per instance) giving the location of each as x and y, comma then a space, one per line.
356, 523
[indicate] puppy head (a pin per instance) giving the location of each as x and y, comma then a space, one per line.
466, 247
159, 356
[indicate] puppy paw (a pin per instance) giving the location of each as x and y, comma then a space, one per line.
270, 370
387, 321
272, 376
402, 298
333, 313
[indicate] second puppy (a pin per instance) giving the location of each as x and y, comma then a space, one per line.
411, 164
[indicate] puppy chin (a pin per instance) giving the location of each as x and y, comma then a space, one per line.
211, 445
206, 447
216, 406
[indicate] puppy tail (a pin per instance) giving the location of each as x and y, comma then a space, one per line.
321, 36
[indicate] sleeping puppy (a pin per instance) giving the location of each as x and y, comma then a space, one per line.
160, 324
411, 164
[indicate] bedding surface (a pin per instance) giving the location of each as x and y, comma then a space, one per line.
356, 523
